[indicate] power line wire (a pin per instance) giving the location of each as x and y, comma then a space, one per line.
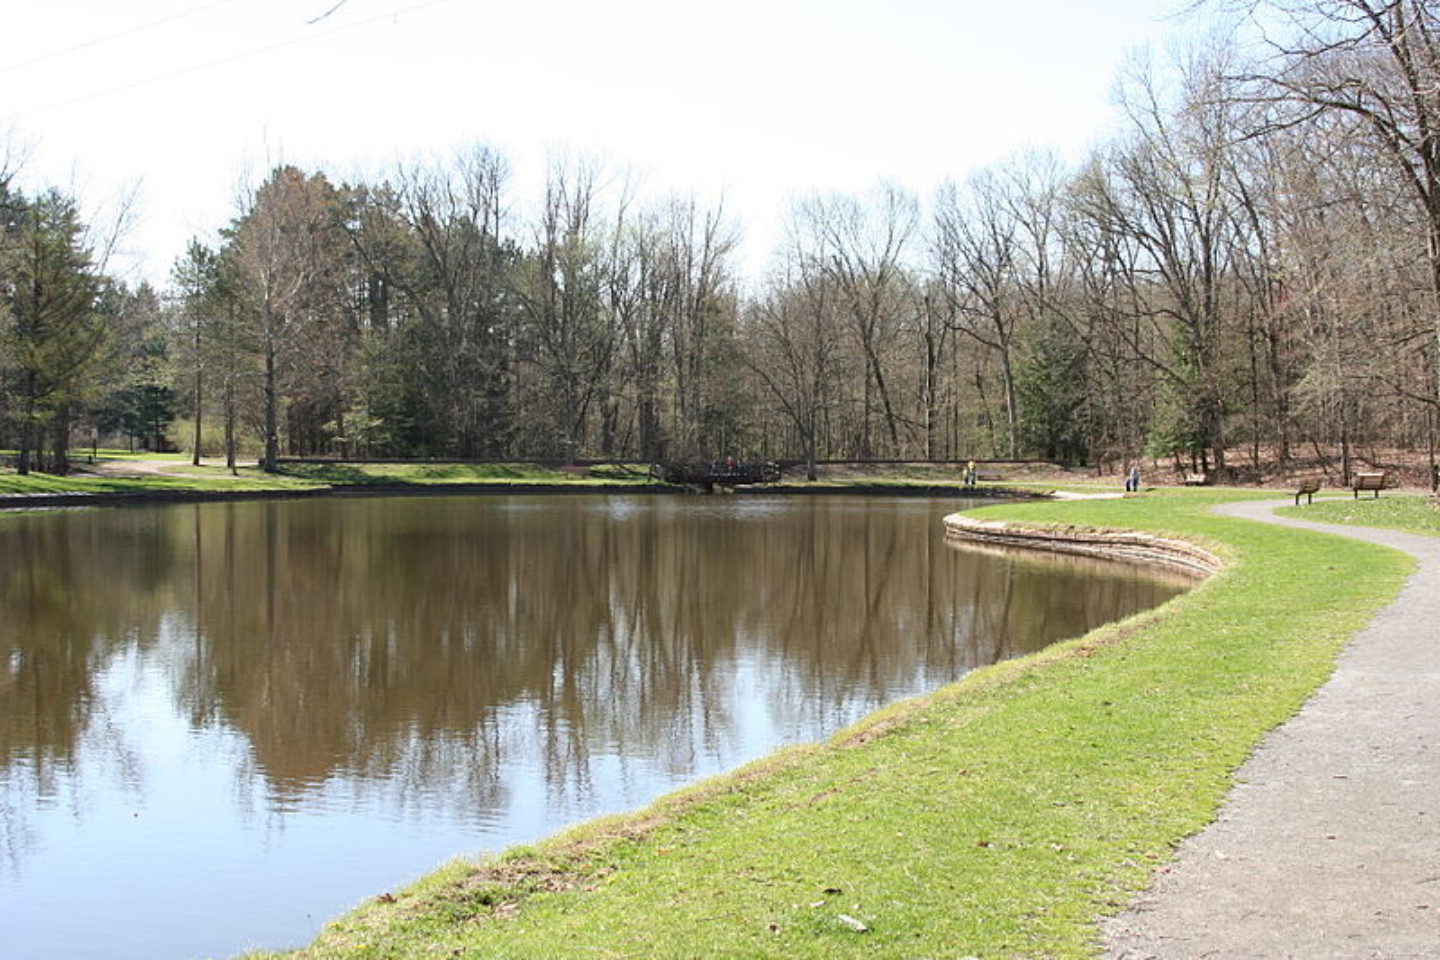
245, 55
107, 38
327, 13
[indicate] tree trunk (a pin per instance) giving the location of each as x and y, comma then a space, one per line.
195, 455
27, 425
60, 439
1345, 460
27, 432
272, 403
230, 459
1007, 375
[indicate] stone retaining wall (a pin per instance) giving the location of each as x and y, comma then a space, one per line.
1109, 544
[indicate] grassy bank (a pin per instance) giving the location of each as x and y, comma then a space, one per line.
181, 476
163, 474
994, 818
203, 479
365, 474
1418, 514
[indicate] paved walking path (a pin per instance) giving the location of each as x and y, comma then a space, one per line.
1329, 846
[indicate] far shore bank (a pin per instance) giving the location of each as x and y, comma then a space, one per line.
33, 501
122, 479
121, 483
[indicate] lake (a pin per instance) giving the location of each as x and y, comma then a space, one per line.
223, 724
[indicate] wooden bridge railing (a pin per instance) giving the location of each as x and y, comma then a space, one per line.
722, 473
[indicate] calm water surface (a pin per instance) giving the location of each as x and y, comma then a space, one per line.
221, 725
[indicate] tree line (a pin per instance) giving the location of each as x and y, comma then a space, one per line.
1247, 273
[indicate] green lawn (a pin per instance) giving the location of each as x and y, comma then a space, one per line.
1419, 514
195, 478
180, 475
443, 473
995, 818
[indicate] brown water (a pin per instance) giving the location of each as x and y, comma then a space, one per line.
221, 725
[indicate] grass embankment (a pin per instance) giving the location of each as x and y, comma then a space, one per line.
402, 474
1417, 514
897, 477
169, 473
204, 480
179, 475
994, 818
122, 472
946, 478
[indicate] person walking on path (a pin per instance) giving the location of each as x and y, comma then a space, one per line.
1329, 845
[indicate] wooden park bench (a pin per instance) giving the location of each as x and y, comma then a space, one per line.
1308, 489
1197, 479
1369, 481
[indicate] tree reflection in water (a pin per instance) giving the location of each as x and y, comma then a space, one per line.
419, 652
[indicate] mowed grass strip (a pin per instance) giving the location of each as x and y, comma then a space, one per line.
202, 479
997, 817
1416, 514
179, 475
441, 473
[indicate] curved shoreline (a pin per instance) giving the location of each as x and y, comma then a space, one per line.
512, 889
1132, 546
1088, 760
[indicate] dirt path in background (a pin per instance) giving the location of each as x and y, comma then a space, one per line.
1329, 845
126, 468
133, 468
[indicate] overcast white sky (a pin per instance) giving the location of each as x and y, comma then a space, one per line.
763, 100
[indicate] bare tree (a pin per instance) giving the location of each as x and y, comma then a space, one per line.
458, 285
862, 247
632, 285
1162, 197
563, 296
793, 347
287, 241
974, 252
1376, 62
698, 307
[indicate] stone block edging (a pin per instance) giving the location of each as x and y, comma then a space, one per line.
1090, 542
